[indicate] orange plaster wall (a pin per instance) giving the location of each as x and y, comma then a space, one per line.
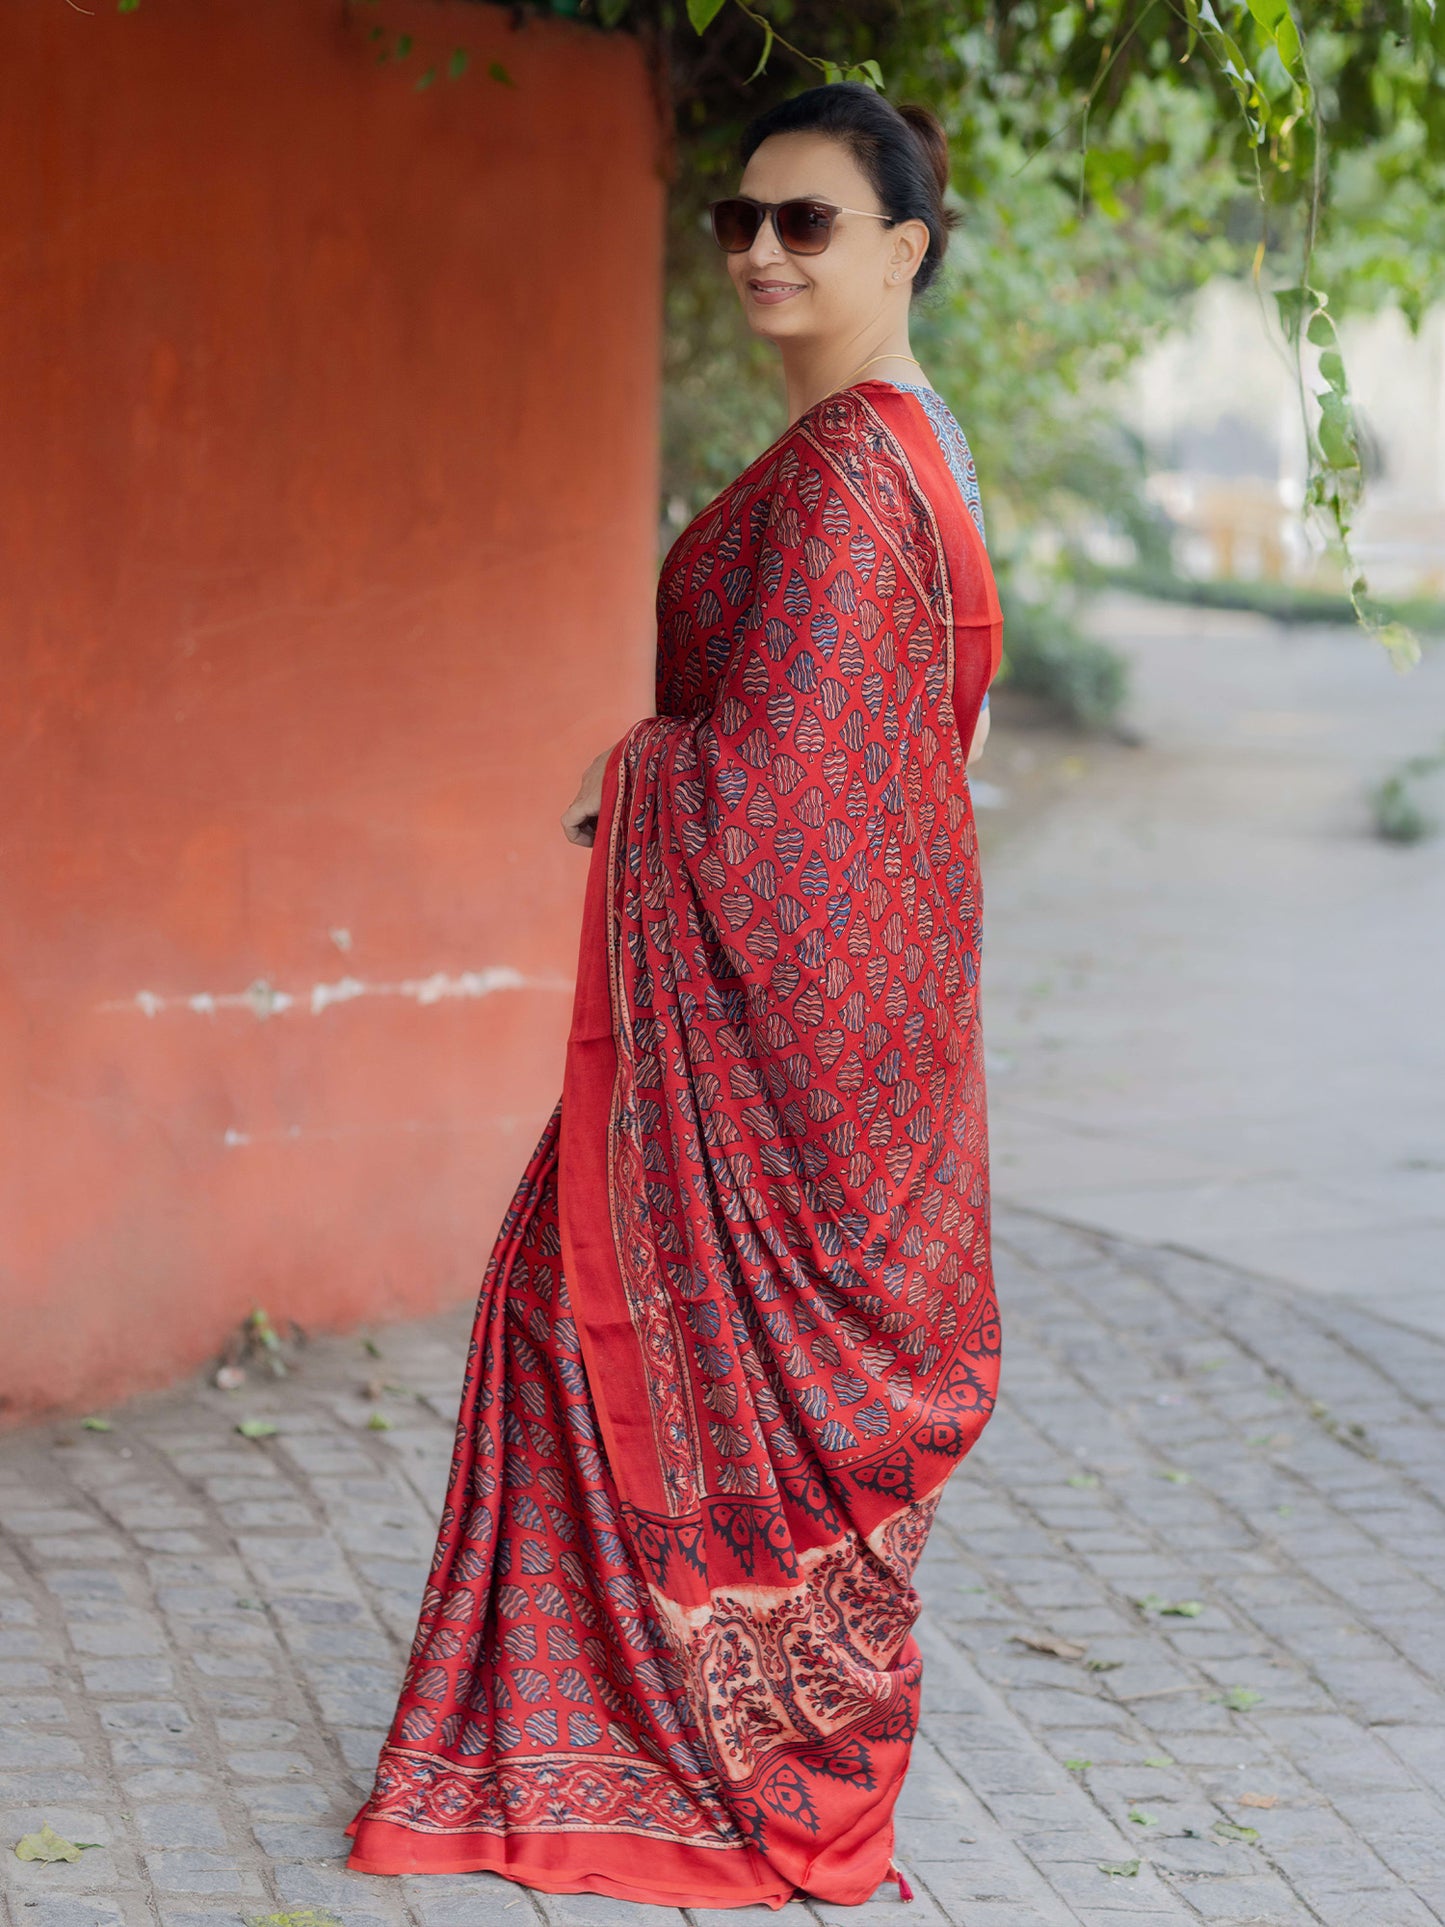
327, 533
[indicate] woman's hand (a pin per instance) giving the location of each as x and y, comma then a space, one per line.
980, 737
579, 819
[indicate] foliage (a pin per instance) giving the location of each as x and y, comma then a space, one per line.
1399, 812
1047, 655
1283, 602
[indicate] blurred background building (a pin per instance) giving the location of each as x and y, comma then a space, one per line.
1217, 406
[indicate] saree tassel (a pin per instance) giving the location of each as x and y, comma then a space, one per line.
905, 1892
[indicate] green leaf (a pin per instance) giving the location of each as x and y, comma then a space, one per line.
1332, 367
1175, 1477
1337, 432
258, 1428
458, 64
378, 1422
1078, 1766
304, 1917
1269, 13
1321, 330
97, 1424
1238, 1699
1125, 1868
126, 6
426, 79
403, 45
1159, 1759
1230, 1830
1292, 303
610, 12
48, 1845
1142, 1819
1086, 1481
869, 72
498, 73
1288, 42
1102, 1665
1180, 1608
369, 1345
763, 56
702, 13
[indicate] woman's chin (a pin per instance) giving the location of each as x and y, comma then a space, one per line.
769, 325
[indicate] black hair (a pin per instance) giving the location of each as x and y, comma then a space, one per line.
902, 150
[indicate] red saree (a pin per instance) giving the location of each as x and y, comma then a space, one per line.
739, 1324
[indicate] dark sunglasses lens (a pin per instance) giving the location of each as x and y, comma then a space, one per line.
735, 225
805, 227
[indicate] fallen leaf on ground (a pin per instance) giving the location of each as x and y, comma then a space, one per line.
1103, 1665
1238, 1699
1142, 1819
1175, 1477
257, 1428
1257, 1800
1227, 1830
307, 1917
1048, 1643
96, 1424
1127, 1868
1159, 1759
1084, 1480
50, 1845
1078, 1766
1152, 1602
378, 1422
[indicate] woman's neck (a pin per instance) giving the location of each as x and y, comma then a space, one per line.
812, 370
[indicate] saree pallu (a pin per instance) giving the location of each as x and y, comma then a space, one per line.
739, 1324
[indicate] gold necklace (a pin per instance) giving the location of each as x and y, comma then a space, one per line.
889, 355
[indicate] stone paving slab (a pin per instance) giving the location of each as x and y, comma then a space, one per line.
1225, 1497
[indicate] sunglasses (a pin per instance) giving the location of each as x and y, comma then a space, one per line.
802, 227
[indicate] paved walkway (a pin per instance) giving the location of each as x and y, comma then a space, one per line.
1223, 1501
1212, 995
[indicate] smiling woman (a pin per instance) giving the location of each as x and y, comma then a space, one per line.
740, 1325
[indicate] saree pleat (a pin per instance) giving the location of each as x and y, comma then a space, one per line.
739, 1325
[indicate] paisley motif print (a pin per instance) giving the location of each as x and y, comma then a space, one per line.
739, 1325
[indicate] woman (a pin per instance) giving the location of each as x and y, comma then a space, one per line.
739, 1324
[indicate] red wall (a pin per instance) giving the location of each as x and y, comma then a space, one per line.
327, 523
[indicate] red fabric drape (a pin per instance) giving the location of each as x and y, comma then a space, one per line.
739, 1325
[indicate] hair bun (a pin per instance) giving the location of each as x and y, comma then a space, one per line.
928, 131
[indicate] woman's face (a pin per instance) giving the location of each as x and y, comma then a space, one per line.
862, 277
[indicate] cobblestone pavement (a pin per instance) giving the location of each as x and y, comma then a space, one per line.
201, 1633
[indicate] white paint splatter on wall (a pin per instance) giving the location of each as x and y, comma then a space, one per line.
265, 1000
